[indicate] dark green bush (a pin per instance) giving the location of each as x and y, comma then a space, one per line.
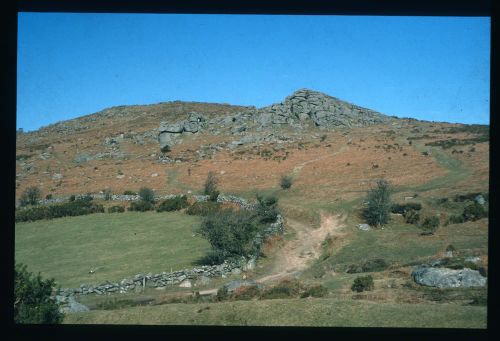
315, 291
411, 217
379, 204
467, 196
286, 181
48, 196
173, 204
402, 208
116, 209
285, 289
147, 195
267, 208
32, 302
72, 198
203, 208
72, 208
141, 206
30, 196
129, 192
474, 212
362, 283
230, 233
371, 265
430, 225
450, 248
212, 257
456, 219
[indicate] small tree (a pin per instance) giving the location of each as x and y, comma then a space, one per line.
286, 181
379, 204
147, 195
430, 225
267, 208
30, 196
32, 298
210, 187
362, 283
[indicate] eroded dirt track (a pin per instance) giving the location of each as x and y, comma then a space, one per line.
297, 254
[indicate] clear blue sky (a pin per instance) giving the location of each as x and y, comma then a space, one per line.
69, 65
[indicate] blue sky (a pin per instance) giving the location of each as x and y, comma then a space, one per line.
69, 65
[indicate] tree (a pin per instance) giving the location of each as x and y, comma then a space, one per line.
33, 303
230, 233
379, 204
210, 187
30, 196
147, 195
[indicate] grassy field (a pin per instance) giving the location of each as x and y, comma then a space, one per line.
120, 245
294, 312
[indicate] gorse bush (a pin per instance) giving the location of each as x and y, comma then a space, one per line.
30, 196
430, 225
286, 181
379, 204
474, 212
32, 302
456, 219
362, 284
72, 208
203, 208
411, 217
267, 208
285, 289
141, 206
315, 291
129, 192
402, 208
371, 265
116, 209
173, 204
147, 195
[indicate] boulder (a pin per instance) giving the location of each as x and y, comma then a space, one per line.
191, 127
74, 307
480, 199
186, 284
171, 127
364, 227
447, 278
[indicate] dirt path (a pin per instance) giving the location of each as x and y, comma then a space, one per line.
297, 254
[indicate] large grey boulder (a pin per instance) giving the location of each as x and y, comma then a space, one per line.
171, 127
73, 306
480, 199
447, 278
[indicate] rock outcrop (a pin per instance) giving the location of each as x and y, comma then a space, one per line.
447, 278
168, 132
324, 111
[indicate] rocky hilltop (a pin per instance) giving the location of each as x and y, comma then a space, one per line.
302, 109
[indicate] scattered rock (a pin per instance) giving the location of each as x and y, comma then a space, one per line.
186, 284
480, 199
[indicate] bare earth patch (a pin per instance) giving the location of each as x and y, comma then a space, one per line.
297, 254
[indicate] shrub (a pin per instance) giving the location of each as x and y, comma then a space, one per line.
147, 195
48, 196
430, 225
402, 208
246, 293
72, 208
140, 206
371, 265
286, 181
315, 291
129, 192
456, 219
285, 289
362, 283
450, 248
210, 187
173, 204
411, 217
230, 233
474, 212
379, 204
466, 197
323, 138
32, 302
267, 208
72, 198
107, 194
203, 208
116, 209
212, 257
30, 196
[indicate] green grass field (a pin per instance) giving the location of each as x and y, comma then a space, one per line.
294, 312
120, 245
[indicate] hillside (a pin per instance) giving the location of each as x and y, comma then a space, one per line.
333, 151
